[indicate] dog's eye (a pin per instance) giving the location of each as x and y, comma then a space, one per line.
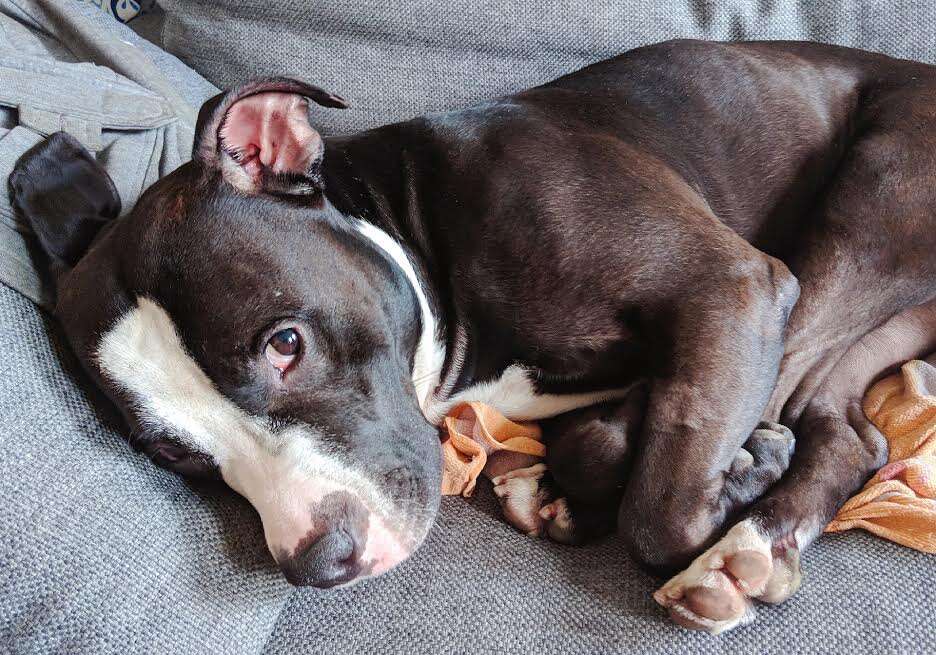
283, 348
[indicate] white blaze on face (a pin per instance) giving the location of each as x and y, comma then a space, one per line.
284, 474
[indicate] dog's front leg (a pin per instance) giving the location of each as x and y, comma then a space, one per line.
725, 344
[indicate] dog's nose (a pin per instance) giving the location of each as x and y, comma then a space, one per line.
329, 560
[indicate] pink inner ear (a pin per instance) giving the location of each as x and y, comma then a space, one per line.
271, 130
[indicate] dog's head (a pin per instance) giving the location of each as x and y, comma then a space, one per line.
249, 330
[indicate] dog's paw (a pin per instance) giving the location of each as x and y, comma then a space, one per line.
715, 593
759, 464
558, 523
522, 494
771, 444
528, 499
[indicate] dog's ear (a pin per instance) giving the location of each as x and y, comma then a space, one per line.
259, 136
64, 195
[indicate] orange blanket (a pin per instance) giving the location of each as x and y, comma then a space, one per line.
475, 435
898, 503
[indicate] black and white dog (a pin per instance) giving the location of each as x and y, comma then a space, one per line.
746, 230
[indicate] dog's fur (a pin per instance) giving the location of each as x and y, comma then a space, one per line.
744, 231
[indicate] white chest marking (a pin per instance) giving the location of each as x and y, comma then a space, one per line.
514, 395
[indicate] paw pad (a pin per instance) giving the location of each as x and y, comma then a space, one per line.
716, 592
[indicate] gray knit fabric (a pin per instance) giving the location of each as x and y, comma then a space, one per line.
478, 587
393, 59
101, 552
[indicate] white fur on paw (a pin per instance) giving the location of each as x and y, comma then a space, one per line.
521, 498
715, 592
558, 520
536, 472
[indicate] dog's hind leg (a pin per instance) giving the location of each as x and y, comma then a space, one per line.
868, 282
867, 252
837, 450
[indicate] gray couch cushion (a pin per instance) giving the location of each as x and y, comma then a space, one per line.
101, 551
478, 587
394, 60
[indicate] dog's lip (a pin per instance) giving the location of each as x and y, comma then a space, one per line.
383, 549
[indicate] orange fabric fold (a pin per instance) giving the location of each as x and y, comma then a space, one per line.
899, 502
472, 433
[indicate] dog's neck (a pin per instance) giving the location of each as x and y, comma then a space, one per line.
430, 349
378, 194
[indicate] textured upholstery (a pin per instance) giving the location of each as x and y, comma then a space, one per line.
101, 552
395, 59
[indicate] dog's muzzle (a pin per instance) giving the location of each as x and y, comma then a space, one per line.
325, 524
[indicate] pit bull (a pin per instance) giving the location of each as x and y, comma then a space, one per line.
672, 257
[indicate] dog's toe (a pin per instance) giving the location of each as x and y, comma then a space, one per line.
716, 592
751, 570
772, 441
705, 599
522, 495
559, 525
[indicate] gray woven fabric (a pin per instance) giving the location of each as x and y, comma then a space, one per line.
395, 59
478, 587
101, 551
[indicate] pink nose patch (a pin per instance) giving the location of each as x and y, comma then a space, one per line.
384, 549
271, 130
